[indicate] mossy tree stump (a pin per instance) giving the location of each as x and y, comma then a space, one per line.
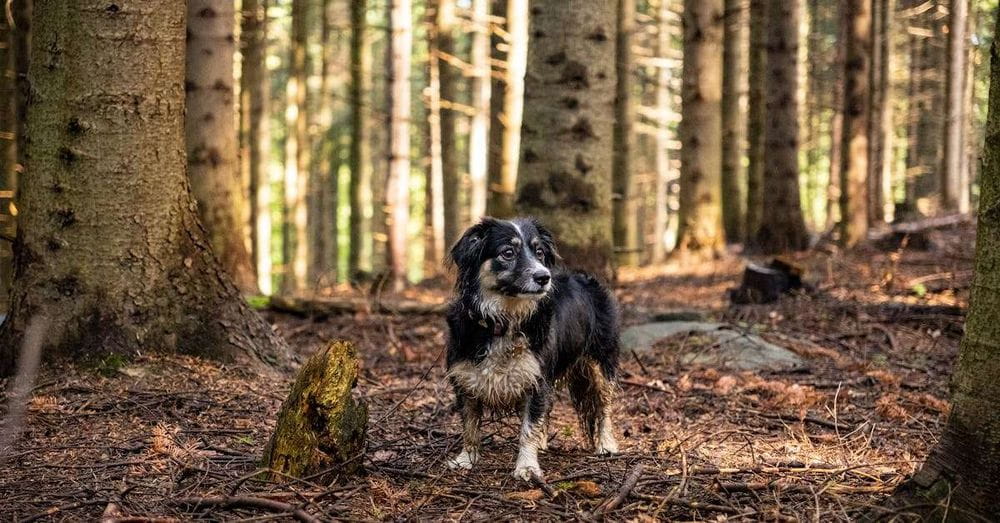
321, 426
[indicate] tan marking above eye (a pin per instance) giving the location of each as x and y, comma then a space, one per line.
516, 242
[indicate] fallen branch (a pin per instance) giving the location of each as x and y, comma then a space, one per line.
51, 511
248, 502
693, 505
318, 306
623, 492
546, 488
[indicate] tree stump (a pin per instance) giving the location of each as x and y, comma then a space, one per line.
321, 426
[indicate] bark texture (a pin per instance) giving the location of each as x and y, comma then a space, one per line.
110, 247
434, 240
320, 431
626, 219
479, 126
955, 193
733, 81
857, 109
211, 136
255, 94
505, 148
926, 103
962, 475
444, 28
755, 119
568, 135
295, 227
8, 154
782, 226
359, 96
664, 107
397, 192
700, 228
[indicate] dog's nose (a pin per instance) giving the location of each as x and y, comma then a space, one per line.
541, 277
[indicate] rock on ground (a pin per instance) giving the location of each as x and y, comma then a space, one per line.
726, 346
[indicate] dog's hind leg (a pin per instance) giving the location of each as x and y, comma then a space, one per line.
536, 410
592, 393
472, 415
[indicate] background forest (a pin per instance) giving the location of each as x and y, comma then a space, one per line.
795, 202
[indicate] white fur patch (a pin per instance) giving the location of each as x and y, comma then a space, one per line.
527, 455
507, 373
465, 460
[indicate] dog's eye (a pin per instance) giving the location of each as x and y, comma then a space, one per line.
540, 253
507, 254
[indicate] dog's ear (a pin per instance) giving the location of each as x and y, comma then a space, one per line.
548, 243
468, 250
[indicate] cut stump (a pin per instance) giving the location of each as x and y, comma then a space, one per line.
321, 427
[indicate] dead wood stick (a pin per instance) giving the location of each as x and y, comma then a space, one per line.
248, 502
62, 508
694, 505
546, 488
331, 306
624, 491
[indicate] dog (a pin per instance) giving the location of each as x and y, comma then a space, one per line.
519, 325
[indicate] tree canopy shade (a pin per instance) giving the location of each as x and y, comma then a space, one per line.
109, 245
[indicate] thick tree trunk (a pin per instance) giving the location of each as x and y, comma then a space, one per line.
700, 223
877, 85
954, 197
295, 235
211, 136
110, 249
397, 190
854, 143
8, 154
434, 246
626, 224
782, 227
568, 138
447, 77
755, 118
506, 154
836, 124
733, 80
255, 95
961, 478
324, 222
479, 127
360, 257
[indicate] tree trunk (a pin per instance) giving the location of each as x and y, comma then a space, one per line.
700, 226
836, 124
360, 257
926, 103
295, 234
664, 106
626, 225
733, 78
877, 95
255, 92
961, 478
755, 118
507, 144
397, 190
854, 143
110, 248
568, 137
479, 126
782, 226
953, 197
434, 238
8, 154
211, 136
447, 76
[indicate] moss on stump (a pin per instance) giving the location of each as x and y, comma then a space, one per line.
321, 427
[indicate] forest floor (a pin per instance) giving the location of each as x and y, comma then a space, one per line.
159, 438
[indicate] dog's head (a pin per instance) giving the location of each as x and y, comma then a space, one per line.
508, 259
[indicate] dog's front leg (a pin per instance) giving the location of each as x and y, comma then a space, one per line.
472, 415
532, 435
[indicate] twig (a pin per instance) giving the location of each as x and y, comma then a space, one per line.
249, 502
62, 508
694, 505
623, 492
546, 488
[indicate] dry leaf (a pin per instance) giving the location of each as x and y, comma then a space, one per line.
526, 495
587, 488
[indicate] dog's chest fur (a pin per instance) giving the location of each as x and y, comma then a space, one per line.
503, 377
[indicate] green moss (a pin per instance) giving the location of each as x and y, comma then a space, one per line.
258, 303
321, 427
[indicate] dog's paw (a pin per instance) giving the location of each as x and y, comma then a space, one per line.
464, 461
525, 472
605, 446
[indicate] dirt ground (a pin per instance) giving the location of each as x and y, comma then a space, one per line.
164, 438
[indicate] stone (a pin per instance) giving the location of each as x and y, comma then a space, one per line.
723, 346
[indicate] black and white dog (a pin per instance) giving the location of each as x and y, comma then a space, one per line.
519, 325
